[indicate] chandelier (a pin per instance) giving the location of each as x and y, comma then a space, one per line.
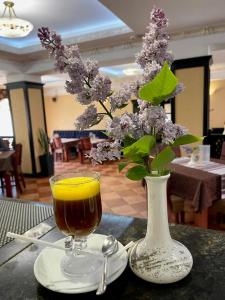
10, 25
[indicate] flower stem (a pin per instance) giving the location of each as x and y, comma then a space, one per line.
105, 108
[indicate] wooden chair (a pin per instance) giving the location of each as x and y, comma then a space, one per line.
58, 148
2, 182
84, 147
222, 155
177, 203
6, 144
177, 206
218, 210
177, 151
17, 167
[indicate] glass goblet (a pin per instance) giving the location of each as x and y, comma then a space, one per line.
78, 211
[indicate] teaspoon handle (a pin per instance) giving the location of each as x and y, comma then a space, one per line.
102, 285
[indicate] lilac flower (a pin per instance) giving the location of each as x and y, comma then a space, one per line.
91, 67
151, 70
119, 127
73, 88
142, 104
105, 151
153, 119
180, 130
90, 86
121, 98
53, 43
72, 53
155, 43
134, 86
85, 97
88, 118
172, 131
158, 17
101, 88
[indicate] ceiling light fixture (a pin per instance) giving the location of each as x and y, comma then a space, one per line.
10, 25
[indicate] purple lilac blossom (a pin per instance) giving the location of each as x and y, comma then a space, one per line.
85, 97
119, 127
89, 86
87, 119
142, 104
101, 88
120, 98
171, 131
51, 41
106, 151
153, 119
155, 41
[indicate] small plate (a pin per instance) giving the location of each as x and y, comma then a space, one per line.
48, 272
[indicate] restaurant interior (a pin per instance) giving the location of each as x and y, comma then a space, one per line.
40, 138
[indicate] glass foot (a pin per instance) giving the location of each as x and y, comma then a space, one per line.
80, 265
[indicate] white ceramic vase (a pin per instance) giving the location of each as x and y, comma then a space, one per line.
158, 258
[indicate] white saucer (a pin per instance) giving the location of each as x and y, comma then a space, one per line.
48, 273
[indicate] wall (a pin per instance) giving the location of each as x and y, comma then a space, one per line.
217, 104
28, 116
189, 104
37, 121
61, 114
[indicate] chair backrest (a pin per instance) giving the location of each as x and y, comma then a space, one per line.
18, 154
6, 144
85, 143
222, 155
57, 142
177, 151
16, 159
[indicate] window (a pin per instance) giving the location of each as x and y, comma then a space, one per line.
6, 128
167, 108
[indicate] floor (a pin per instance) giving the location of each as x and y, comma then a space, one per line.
119, 195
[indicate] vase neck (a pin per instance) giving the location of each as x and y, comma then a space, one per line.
157, 228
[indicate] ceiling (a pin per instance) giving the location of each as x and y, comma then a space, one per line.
111, 31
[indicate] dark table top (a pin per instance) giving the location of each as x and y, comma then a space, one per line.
195, 185
206, 280
5, 160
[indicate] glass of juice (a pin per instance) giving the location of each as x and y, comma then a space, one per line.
78, 211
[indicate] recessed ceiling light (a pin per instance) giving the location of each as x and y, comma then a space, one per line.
132, 71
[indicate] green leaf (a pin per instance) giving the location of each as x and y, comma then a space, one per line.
140, 148
160, 88
137, 173
162, 159
186, 139
122, 165
128, 140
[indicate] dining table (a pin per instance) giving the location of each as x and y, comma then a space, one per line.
200, 184
6, 167
17, 258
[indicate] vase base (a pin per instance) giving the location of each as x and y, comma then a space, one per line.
160, 264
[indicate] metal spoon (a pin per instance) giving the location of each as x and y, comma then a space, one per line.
109, 247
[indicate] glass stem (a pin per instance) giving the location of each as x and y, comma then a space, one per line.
73, 246
79, 244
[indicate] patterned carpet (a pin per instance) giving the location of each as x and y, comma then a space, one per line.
119, 195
